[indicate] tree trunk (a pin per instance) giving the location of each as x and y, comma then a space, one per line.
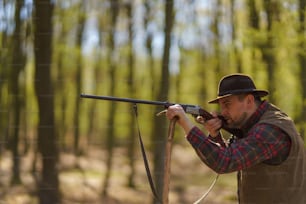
254, 22
236, 50
4, 106
132, 92
149, 48
60, 82
272, 11
111, 113
49, 181
18, 63
253, 15
216, 41
76, 122
160, 124
302, 60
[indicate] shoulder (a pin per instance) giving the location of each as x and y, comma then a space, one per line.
268, 132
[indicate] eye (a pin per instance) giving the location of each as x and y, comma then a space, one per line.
227, 104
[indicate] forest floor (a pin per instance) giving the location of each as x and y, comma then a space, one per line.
81, 180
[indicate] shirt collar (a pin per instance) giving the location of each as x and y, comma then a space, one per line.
255, 117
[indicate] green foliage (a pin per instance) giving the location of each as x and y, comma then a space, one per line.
206, 45
196, 72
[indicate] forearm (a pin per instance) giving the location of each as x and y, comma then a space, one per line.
177, 112
262, 144
186, 124
213, 152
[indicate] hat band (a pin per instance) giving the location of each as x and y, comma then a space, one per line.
237, 91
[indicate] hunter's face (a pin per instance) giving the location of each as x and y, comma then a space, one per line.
234, 110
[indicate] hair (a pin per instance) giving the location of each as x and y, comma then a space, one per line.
257, 98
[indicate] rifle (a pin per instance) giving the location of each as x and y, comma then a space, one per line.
194, 110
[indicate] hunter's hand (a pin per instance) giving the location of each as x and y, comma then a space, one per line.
213, 126
183, 120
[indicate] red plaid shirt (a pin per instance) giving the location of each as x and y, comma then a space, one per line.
264, 143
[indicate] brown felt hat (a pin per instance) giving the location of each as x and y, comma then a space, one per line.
237, 84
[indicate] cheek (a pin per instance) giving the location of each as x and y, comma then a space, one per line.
224, 111
235, 112
228, 114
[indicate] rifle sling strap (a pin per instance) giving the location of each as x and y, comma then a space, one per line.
144, 156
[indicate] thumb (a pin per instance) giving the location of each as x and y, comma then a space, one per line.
200, 119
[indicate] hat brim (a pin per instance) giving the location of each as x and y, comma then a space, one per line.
260, 93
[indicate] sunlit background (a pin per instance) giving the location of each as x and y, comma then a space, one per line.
59, 148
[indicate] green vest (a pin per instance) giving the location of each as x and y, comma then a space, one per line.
276, 184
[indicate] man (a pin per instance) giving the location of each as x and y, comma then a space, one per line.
269, 155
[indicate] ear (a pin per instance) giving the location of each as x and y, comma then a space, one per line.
250, 99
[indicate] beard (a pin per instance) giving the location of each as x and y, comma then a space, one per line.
237, 123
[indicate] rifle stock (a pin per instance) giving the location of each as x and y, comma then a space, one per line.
194, 110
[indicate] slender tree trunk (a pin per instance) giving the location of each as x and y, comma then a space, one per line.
17, 66
76, 122
111, 112
216, 41
254, 22
49, 181
4, 106
272, 11
180, 76
253, 15
60, 82
63, 103
235, 47
93, 104
149, 48
132, 92
160, 124
99, 75
302, 60
202, 72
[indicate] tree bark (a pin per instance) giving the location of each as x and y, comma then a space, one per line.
49, 181
235, 47
132, 93
272, 11
149, 47
79, 64
216, 41
18, 63
111, 112
160, 124
302, 61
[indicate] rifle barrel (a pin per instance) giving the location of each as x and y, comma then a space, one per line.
128, 100
191, 109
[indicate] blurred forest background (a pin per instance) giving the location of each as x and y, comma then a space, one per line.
58, 148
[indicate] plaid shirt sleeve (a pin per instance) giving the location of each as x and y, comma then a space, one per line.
265, 143
218, 139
